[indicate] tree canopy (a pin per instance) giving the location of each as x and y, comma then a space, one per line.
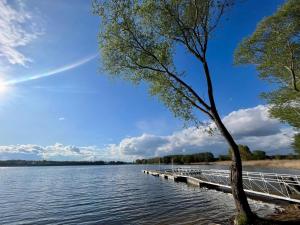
139, 40
244, 151
274, 48
296, 143
259, 155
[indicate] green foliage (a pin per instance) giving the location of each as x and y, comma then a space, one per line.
274, 48
296, 144
285, 105
179, 159
244, 151
138, 40
224, 157
258, 155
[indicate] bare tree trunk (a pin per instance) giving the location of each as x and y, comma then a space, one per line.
236, 177
294, 81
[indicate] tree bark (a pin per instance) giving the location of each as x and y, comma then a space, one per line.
294, 81
236, 176
291, 68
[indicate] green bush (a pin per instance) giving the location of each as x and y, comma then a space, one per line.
259, 155
244, 151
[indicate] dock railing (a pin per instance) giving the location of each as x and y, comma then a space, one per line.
275, 185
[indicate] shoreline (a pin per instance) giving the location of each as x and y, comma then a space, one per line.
267, 163
289, 213
285, 215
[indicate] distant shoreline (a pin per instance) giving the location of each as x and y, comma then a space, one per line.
33, 163
265, 163
268, 163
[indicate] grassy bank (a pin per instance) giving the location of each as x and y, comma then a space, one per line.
285, 163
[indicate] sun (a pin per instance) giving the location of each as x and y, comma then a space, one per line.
4, 88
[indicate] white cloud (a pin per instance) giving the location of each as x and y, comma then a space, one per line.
52, 152
252, 122
61, 118
17, 29
252, 127
143, 145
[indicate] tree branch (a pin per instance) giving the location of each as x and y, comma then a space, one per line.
201, 101
183, 30
292, 69
176, 88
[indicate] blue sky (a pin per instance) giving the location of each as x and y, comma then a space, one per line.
81, 113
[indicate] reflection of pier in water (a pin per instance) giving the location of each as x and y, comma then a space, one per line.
271, 185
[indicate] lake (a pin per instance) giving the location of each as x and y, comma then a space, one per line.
109, 195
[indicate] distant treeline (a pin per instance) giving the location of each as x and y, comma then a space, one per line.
245, 152
179, 159
7, 163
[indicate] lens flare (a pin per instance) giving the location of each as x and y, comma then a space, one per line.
51, 72
7, 85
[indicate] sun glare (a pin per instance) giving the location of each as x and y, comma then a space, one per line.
4, 88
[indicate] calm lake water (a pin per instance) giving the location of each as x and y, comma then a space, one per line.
108, 195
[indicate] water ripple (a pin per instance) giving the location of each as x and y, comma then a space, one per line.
107, 195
